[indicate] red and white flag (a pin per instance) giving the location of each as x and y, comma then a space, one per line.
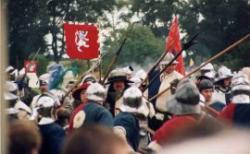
30, 66
82, 41
173, 44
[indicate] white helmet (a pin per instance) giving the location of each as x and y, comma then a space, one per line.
141, 74
208, 67
11, 86
44, 78
132, 97
9, 69
240, 82
45, 102
224, 73
128, 70
22, 106
96, 92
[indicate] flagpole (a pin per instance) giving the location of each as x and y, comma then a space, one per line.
229, 48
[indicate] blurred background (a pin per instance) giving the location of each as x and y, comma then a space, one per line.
37, 24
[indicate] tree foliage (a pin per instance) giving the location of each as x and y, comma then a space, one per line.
142, 47
220, 23
30, 20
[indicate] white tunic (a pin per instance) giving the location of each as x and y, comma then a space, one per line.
166, 79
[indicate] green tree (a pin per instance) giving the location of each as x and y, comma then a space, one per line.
30, 20
142, 47
220, 23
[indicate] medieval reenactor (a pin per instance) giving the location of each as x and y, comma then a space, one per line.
89, 78
16, 109
80, 96
11, 98
237, 112
44, 89
187, 116
118, 83
11, 73
206, 72
93, 112
133, 110
206, 88
222, 85
184, 104
52, 133
164, 81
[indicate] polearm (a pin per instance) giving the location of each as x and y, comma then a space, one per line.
185, 47
36, 54
78, 81
154, 67
116, 55
229, 48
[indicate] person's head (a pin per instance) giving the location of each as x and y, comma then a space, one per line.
133, 102
44, 83
206, 88
167, 59
46, 106
170, 68
94, 139
118, 80
63, 116
89, 78
185, 100
207, 68
227, 82
224, 77
11, 73
240, 90
80, 93
129, 71
119, 86
132, 97
70, 84
24, 137
96, 92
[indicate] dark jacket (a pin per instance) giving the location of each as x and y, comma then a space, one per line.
131, 124
97, 114
112, 97
237, 114
52, 138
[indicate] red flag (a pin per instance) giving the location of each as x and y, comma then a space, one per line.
173, 44
81, 41
30, 66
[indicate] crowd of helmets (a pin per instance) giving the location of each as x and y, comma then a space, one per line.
122, 104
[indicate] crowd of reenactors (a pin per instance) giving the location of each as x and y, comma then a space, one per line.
119, 116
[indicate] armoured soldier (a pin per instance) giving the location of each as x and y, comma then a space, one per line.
93, 112
165, 79
118, 83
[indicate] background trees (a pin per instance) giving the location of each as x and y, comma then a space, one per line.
219, 22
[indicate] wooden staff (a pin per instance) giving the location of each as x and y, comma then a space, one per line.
113, 61
229, 48
154, 67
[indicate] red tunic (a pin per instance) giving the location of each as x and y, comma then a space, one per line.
174, 128
227, 113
